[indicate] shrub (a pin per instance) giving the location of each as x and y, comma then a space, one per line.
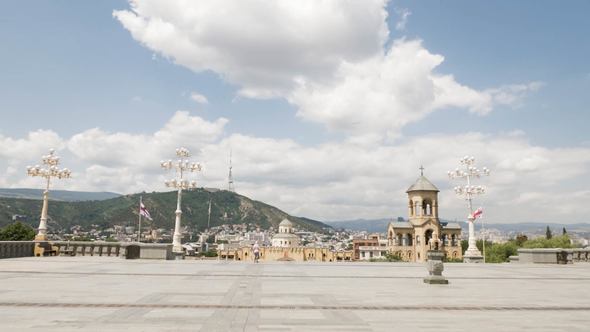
17, 232
562, 241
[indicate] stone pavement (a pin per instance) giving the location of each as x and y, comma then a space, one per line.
103, 293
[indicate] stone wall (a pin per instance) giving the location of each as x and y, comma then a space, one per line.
12, 249
83, 248
408, 253
299, 254
553, 255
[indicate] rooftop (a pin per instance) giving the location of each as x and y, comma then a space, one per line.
112, 294
422, 184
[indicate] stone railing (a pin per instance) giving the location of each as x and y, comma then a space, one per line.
130, 250
12, 249
84, 248
552, 255
581, 255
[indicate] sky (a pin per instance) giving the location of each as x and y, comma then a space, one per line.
328, 106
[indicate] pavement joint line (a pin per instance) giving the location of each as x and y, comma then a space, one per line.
297, 307
277, 275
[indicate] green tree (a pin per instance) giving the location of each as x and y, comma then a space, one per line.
464, 246
521, 239
564, 232
393, 257
479, 245
210, 253
562, 241
500, 252
548, 234
17, 232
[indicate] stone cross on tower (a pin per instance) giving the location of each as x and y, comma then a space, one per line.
421, 170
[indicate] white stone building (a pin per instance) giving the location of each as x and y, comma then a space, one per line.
285, 237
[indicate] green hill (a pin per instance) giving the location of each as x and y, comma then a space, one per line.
226, 208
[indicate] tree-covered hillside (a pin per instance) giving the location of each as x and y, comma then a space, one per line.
226, 208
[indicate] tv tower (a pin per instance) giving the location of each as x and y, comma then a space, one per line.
230, 178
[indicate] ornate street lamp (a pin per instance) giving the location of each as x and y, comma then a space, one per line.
51, 170
181, 165
469, 172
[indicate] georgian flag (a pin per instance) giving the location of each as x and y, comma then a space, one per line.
477, 213
143, 211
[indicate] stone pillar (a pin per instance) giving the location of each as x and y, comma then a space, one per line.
472, 254
42, 234
435, 268
434, 208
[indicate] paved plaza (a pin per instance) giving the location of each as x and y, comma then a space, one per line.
112, 294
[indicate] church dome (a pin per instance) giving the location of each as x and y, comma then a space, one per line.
286, 223
422, 184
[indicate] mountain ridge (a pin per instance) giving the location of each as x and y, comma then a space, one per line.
226, 208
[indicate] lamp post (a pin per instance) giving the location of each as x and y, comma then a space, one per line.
467, 191
181, 166
50, 170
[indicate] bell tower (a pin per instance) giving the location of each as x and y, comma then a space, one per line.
423, 215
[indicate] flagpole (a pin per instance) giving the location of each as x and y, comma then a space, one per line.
139, 228
209, 214
483, 236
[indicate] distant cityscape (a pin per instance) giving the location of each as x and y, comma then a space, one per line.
233, 236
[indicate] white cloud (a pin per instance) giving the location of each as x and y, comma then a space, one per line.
37, 143
385, 93
327, 58
141, 152
199, 98
404, 14
335, 180
260, 46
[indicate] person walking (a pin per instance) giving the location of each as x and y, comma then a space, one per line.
256, 250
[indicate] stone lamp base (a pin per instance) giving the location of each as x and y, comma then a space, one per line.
435, 267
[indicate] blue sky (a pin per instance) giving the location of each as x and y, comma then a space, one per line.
520, 82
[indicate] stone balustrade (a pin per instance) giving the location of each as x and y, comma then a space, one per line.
552, 255
130, 250
12, 249
83, 248
581, 255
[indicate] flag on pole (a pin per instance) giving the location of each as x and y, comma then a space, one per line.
477, 213
143, 211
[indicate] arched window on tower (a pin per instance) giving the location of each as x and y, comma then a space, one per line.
427, 207
427, 238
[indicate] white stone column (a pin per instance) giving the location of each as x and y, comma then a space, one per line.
472, 254
42, 233
177, 237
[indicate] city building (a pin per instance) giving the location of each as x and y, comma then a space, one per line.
371, 246
423, 231
285, 247
286, 236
